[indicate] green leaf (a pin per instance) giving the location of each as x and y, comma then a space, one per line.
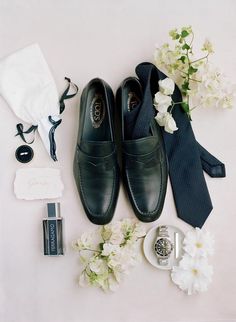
185, 107
192, 70
184, 33
182, 58
185, 86
186, 46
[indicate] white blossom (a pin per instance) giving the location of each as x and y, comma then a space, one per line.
109, 248
112, 257
116, 236
98, 266
192, 275
207, 46
83, 279
106, 232
139, 230
198, 243
112, 283
85, 241
166, 86
166, 120
162, 102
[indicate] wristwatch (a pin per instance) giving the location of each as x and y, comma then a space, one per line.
163, 245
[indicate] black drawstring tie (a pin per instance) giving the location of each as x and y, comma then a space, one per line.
52, 138
21, 132
66, 96
33, 128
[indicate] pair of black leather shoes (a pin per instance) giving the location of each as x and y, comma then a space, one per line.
96, 169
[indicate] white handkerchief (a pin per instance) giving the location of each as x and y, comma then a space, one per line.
38, 183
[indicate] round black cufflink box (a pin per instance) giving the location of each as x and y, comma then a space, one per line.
24, 153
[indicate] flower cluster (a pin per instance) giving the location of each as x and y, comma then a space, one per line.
194, 274
164, 105
201, 84
109, 253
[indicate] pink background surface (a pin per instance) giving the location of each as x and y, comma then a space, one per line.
85, 39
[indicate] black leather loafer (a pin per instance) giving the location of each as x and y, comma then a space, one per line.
144, 165
96, 169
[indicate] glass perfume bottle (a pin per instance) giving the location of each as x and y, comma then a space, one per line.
53, 231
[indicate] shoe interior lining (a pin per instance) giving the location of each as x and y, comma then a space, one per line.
96, 122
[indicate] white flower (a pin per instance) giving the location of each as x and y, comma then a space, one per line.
188, 29
226, 98
113, 284
166, 86
139, 230
117, 274
83, 279
198, 243
132, 230
127, 225
85, 241
100, 281
162, 102
98, 266
124, 259
173, 33
167, 59
117, 236
116, 261
166, 120
112, 256
213, 88
207, 46
193, 275
109, 248
106, 232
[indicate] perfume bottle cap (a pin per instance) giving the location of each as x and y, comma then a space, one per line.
54, 209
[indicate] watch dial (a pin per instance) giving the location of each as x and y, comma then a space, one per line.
163, 247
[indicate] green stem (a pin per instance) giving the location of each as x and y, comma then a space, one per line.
181, 71
194, 80
92, 250
199, 59
175, 103
191, 42
193, 108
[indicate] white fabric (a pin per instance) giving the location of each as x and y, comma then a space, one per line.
29, 89
38, 183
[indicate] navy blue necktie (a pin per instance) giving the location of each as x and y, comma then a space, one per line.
186, 157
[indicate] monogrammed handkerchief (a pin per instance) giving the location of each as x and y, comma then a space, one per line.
38, 183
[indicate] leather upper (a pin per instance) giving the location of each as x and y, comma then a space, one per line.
96, 169
144, 165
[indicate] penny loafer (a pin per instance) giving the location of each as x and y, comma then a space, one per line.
96, 168
144, 163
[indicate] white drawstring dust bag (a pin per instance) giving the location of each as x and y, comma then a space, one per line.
28, 87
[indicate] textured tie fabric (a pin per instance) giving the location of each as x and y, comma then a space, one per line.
186, 157
138, 120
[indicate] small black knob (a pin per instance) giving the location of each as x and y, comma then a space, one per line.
24, 153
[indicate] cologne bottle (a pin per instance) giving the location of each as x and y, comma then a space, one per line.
53, 231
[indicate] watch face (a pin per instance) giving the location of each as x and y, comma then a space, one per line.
163, 247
